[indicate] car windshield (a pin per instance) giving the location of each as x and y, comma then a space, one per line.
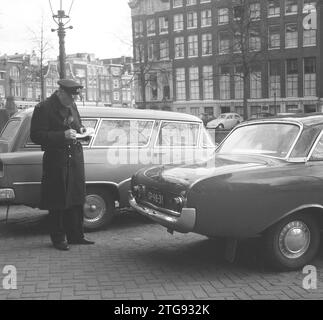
10, 131
222, 116
272, 139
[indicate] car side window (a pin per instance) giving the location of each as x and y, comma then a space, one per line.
123, 133
317, 154
177, 134
88, 123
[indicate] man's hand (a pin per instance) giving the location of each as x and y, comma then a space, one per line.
70, 134
82, 130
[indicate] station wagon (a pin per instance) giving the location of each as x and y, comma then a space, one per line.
124, 141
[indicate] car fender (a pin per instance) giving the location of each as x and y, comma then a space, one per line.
244, 204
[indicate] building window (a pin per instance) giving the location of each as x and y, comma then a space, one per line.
206, 18
192, 46
238, 12
139, 29
178, 22
291, 6
206, 44
309, 37
274, 37
208, 83
194, 83
237, 42
180, 84
190, 2
205, 1
179, 47
164, 49
151, 27
153, 86
224, 82
309, 77
291, 35
116, 96
139, 53
223, 16
255, 11
291, 78
274, 78
273, 8
163, 25
151, 51
254, 40
224, 42
255, 84
177, 3
191, 20
238, 82
115, 83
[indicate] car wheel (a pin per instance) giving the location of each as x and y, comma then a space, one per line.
99, 208
220, 126
293, 242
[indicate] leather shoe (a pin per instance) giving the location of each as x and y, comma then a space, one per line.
81, 241
61, 246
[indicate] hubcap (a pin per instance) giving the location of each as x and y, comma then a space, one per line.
294, 239
94, 208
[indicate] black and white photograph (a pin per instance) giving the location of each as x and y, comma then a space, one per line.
157, 151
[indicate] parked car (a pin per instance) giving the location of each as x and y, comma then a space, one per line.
265, 180
225, 121
124, 141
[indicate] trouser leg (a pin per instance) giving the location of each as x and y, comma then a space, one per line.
73, 221
56, 226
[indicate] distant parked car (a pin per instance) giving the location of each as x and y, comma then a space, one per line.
124, 141
225, 121
265, 181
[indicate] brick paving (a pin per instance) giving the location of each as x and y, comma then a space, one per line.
135, 259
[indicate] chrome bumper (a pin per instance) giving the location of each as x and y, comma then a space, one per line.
184, 223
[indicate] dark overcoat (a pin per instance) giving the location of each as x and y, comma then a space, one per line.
63, 179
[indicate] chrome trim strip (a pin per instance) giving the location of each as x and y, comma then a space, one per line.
101, 182
26, 183
314, 146
124, 181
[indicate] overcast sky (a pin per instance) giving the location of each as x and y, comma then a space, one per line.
102, 27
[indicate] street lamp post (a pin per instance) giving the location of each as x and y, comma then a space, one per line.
59, 20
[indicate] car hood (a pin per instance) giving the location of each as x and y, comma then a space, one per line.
186, 175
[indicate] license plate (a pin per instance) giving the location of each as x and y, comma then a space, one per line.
155, 198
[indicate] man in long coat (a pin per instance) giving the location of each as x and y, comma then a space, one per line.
54, 125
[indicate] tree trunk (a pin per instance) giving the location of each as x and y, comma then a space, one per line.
245, 97
143, 90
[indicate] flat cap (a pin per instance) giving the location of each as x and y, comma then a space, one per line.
70, 86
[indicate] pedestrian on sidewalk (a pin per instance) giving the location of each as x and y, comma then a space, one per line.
54, 125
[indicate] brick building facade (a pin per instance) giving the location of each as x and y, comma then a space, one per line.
197, 40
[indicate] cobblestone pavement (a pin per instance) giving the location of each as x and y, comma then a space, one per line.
135, 259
